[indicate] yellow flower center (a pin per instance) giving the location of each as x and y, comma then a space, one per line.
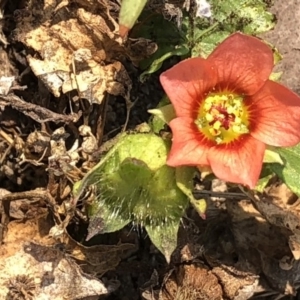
223, 117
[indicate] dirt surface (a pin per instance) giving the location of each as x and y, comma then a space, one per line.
286, 38
247, 248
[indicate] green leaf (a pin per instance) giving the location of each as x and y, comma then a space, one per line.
257, 19
165, 113
276, 53
265, 176
272, 156
275, 76
206, 44
162, 54
262, 183
184, 180
164, 237
130, 11
249, 16
168, 37
99, 213
199, 36
156, 121
133, 183
290, 171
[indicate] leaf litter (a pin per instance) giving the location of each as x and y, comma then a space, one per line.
54, 98
30, 256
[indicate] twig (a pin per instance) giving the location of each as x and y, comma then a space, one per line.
203, 193
36, 112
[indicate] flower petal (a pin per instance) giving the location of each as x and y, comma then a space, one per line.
189, 146
275, 114
238, 162
243, 63
186, 84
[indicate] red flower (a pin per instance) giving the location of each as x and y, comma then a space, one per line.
227, 110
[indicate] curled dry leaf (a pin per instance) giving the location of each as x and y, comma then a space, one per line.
78, 48
89, 144
63, 161
36, 148
237, 285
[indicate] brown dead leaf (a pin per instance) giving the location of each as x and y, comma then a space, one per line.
97, 259
280, 216
59, 36
267, 237
283, 279
31, 260
7, 71
252, 231
294, 243
191, 282
6, 84
281, 195
79, 48
237, 285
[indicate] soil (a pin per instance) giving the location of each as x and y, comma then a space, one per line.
241, 251
286, 38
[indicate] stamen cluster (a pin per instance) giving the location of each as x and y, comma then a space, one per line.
223, 117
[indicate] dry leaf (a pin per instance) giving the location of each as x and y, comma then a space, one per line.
191, 282
98, 259
237, 285
78, 49
32, 261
